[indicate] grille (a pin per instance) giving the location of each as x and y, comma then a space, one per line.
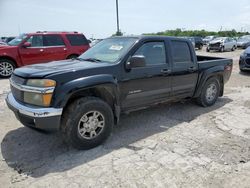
216, 45
248, 61
17, 79
18, 95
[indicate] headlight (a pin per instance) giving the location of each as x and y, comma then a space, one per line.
41, 83
37, 99
40, 92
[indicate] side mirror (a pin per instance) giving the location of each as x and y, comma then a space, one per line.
136, 61
27, 44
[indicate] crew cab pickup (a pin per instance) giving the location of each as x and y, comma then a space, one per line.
84, 97
40, 47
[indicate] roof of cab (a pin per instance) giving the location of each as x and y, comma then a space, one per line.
153, 37
54, 32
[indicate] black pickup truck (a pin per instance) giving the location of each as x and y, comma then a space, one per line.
84, 97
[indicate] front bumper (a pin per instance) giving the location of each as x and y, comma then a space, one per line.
37, 117
244, 63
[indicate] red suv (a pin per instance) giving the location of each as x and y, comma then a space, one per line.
40, 47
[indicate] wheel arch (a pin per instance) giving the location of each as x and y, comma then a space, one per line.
104, 87
9, 58
212, 73
72, 55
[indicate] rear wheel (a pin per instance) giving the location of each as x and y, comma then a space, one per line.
6, 68
233, 48
87, 123
208, 50
209, 93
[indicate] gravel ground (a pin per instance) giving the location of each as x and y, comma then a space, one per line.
174, 145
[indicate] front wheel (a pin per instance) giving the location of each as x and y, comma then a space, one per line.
209, 93
87, 123
6, 68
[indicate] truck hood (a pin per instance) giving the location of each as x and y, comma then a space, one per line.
56, 67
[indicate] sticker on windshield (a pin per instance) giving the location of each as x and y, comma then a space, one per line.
116, 47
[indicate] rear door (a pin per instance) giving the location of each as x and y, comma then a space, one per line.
54, 47
149, 84
185, 69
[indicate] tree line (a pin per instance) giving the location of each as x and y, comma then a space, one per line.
200, 33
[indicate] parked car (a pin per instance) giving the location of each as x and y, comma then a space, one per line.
243, 42
3, 43
7, 39
222, 44
198, 42
40, 47
207, 39
85, 97
244, 62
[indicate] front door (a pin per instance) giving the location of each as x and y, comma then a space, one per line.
146, 85
35, 53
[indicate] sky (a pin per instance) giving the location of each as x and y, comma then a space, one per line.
97, 18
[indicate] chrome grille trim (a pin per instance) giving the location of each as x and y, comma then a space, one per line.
32, 89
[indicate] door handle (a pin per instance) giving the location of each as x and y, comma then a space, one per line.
41, 50
64, 49
191, 69
166, 71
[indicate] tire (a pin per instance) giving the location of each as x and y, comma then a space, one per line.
208, 50
222, 49
233, 48
82, 118
72, 56
7, 67
210, 92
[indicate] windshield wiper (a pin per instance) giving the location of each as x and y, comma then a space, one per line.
91, 60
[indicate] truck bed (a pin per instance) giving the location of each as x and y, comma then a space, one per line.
205, 62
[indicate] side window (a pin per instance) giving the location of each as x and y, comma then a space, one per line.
181, 52
53, 40
36, 41
154, 53
77, 40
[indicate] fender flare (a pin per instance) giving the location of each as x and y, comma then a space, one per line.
209, 73
63, 93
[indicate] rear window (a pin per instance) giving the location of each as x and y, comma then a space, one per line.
77, 40
52, 40
181, 52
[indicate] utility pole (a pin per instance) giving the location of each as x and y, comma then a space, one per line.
118, 33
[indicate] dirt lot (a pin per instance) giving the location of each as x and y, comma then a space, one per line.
175, 145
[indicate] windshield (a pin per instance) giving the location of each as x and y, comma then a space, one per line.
109, 50
16, 41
